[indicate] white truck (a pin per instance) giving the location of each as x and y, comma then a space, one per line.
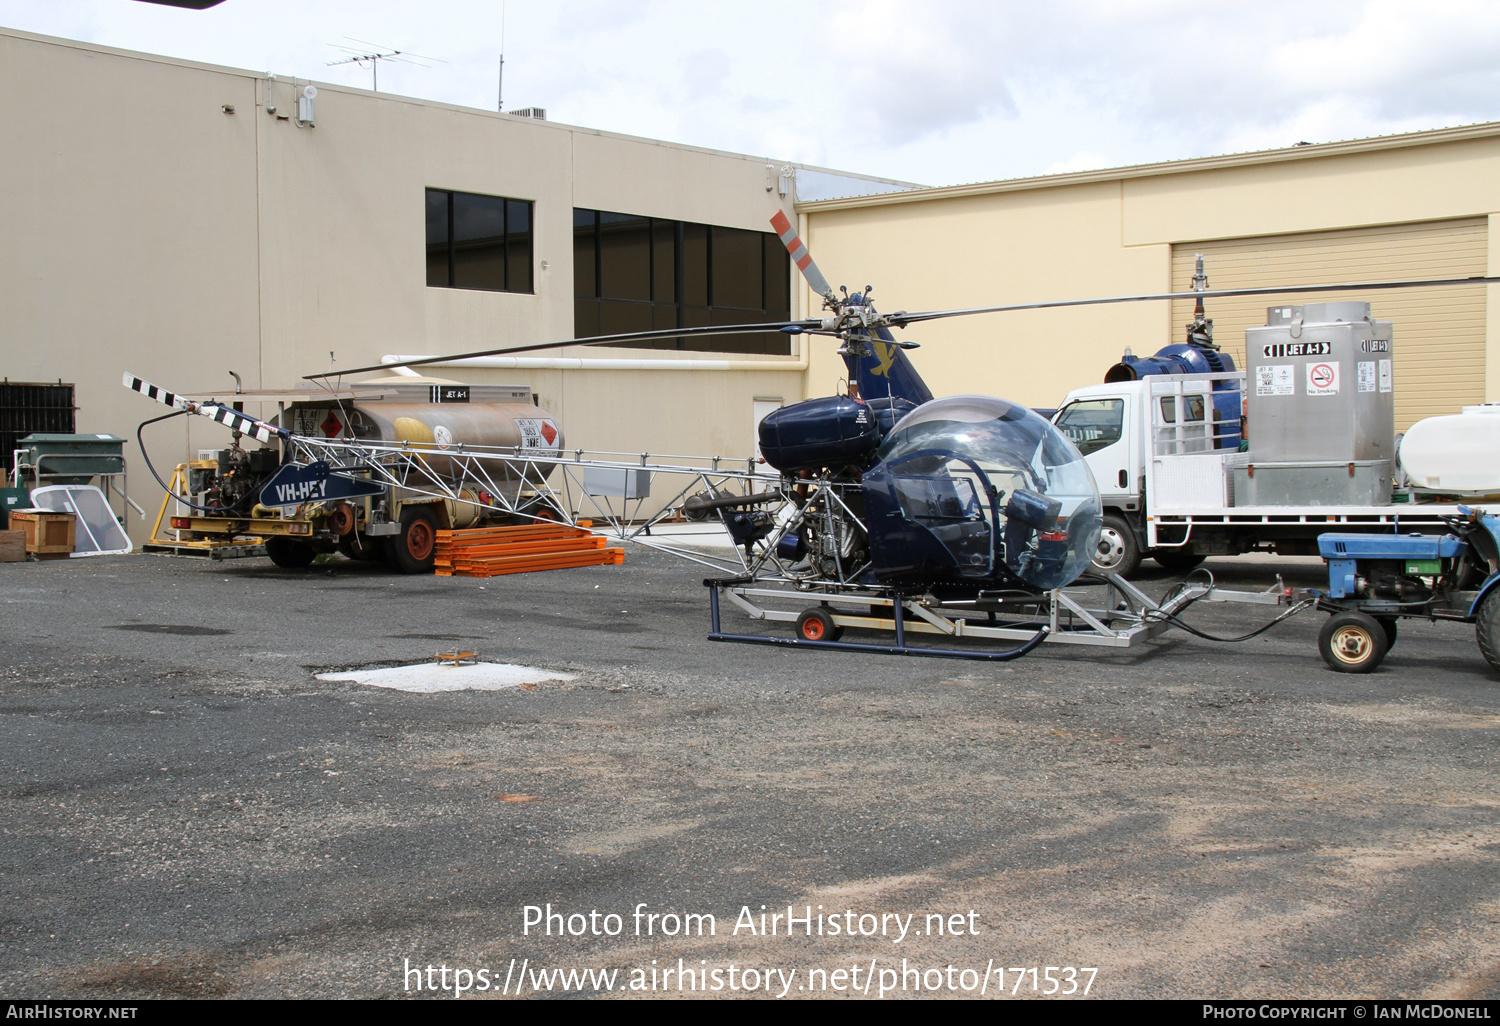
1155, 447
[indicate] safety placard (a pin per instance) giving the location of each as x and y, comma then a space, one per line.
1385, 375
1322, 378
538, 436
1366, 369
1274, 379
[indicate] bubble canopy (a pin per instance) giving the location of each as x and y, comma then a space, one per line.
998, 489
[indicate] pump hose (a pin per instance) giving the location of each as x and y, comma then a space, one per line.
166, 487
1160, 616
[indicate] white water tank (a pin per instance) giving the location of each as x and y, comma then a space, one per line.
1458, 455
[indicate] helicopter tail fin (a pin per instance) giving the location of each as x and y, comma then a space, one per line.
888, 372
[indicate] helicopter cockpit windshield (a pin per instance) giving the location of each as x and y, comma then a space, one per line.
973, 488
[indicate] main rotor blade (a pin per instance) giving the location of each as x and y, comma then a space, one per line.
232, 419
592, 340
902, 319
800, 256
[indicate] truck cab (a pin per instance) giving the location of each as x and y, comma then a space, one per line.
1119, 427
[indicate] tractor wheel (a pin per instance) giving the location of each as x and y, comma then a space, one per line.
1487, 628
411, 551
1388, 624
1118, 552
1352, 642
817, 625
1177, 561
289, 554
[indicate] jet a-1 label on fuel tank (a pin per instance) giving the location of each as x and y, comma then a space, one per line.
297, 483
1297, 349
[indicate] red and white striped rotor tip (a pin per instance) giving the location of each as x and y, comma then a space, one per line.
800, 256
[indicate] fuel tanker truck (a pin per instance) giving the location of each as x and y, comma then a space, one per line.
423, 455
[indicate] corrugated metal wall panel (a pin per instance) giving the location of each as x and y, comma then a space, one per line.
1440, 349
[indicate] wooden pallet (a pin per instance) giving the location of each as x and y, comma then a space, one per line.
494, 551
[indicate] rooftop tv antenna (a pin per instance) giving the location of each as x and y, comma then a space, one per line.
374, 53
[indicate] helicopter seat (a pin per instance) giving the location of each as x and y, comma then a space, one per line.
943, 521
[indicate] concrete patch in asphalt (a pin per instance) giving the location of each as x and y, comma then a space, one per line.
428, 678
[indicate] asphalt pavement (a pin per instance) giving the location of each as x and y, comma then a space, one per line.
190, 812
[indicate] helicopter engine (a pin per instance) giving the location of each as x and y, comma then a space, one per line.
233, 485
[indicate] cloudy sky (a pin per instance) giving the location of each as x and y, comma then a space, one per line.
931, 91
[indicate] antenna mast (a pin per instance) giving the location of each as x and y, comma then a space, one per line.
500, 89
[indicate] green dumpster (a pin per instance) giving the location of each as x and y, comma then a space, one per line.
71, 459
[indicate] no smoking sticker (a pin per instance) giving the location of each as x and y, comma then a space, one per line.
1322, 379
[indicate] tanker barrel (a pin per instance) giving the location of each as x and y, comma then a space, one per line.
697, 506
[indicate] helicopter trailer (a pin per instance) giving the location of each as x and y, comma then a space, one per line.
1061, 616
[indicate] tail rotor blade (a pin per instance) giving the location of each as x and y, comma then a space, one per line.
800, 256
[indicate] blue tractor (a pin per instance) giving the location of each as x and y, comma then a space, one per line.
1375, 580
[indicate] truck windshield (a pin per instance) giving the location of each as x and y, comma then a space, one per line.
1092, 424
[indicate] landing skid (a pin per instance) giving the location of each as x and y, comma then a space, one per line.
1062, 616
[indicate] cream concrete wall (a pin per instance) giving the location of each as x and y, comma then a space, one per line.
127, 213
147, 230
979, 251
1111, 233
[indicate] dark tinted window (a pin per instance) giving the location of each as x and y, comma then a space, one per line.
737, 269
518, 246
664, 262
695, 264
585, 276
634, 273
478, 242
625, 257
437, 236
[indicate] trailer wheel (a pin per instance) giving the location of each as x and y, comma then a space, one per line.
817, 625
1177, 561
1118, 552
1352, 642
289, 554
413, 549
1388, 624
1487, 629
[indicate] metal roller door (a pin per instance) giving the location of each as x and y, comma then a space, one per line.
1439, 332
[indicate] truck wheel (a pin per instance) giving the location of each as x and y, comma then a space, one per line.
362, 547
817, 625
412, 550
1177, 561
1388, 624
289, 554
1487, 628
1352, 642
1118, 552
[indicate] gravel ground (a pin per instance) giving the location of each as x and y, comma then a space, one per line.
189, 812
